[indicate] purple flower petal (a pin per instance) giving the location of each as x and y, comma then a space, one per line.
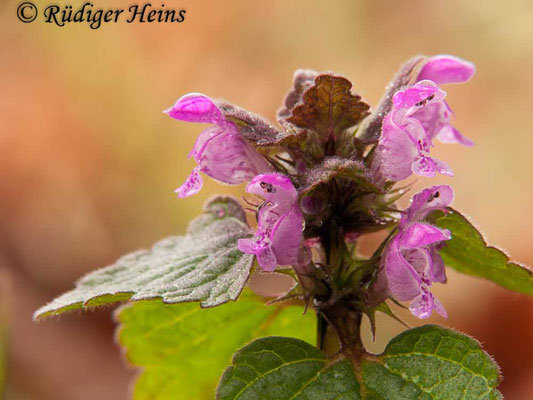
446, 69
448, 134
287, 237
426, 201
224, 156
279, 236
435, 119
424, 304
275, 188
411, 100
442, 168
411, 260
419, 234
219, 151
424, 166
437, 306
420, 259
403, 280
420, 113
438, 271
396, 152
428, 167
192, 185
246, 245
196, 107
267, 259
404, 144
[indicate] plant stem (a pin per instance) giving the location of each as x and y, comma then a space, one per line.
321, 331
346, 324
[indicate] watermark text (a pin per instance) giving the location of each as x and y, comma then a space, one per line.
95, 17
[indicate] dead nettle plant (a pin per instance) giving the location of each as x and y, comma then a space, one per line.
330, 173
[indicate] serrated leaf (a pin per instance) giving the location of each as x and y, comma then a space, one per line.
328, 107
280, 368
253, 127
204, 265
370, 130
467, 252
184, 349
432, 363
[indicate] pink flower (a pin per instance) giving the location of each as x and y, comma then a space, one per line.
446, 69
219, 151
420, 114
436, 117
411, 262
279, 236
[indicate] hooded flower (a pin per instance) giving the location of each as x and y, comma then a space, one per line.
411, 262
279, 235
219, 151
420, 114
436, 117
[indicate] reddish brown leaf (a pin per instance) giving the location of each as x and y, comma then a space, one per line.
328, 107
303, 79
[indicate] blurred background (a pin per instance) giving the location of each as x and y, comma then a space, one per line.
88, 161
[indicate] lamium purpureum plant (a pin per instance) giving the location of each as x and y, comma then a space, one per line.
332, 172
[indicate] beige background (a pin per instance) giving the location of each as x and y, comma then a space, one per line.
88, 162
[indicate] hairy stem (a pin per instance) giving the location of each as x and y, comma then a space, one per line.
346, 325
339, 320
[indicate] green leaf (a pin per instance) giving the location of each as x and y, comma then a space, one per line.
184, 349
468, 252
204, 265
278, 368
328, 107
432, 362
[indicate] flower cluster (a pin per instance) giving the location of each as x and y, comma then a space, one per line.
328, 176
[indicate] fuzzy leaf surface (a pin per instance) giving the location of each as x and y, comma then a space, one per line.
467, 252
281, 368
204, 265
335, 167
303, 79
328, 107
184, 349
252, 127
432, 363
